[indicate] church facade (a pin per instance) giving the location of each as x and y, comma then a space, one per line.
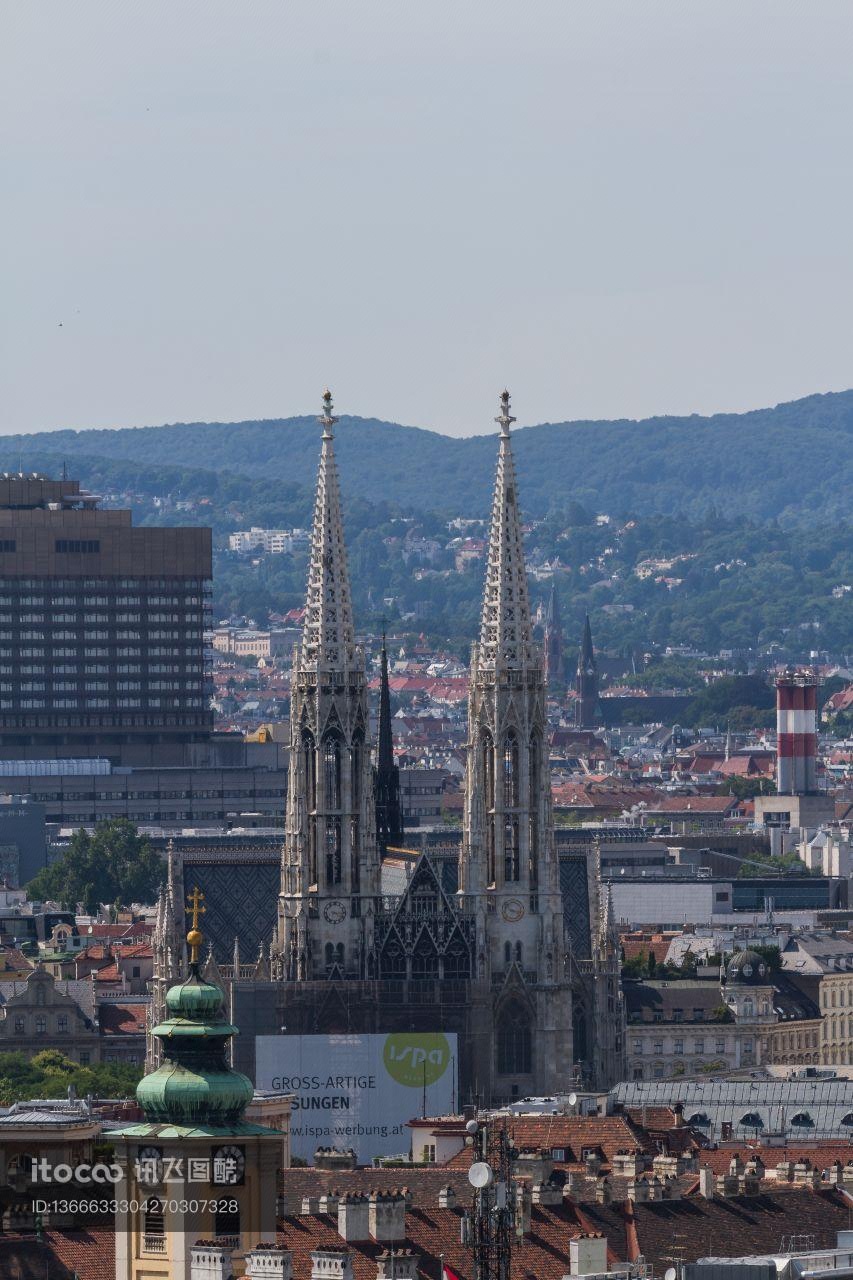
487, 956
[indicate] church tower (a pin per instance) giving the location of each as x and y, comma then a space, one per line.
508, 867
330, 864
586, 682
553, 646
168, 954
389, 812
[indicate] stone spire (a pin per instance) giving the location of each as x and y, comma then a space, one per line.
329, 638
586, 682
553, 646
505, 628
389, 817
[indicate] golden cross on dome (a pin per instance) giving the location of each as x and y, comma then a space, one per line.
195, 909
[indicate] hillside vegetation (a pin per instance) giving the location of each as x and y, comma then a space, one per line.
793, 462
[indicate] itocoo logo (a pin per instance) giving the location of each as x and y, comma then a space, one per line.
416, 1058
44, 1171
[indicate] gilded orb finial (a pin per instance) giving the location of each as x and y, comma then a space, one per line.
195, 937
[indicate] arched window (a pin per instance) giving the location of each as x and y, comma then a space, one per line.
425, 957
153, 1225
802, 1120
507, 954
330, 954
333, 851
393, 962
332, 772
519, 953
514, 1049
748, 1007
488, 771
752, 1120
512, 865
310, 764
456, 960
700, 1119
847, 1120
355, 772
310, 767
489, 796
511, 780
355, 854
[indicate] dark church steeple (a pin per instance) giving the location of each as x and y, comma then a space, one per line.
389, 814
553, 646
586, 682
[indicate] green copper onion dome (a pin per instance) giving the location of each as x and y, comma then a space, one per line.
194, 1085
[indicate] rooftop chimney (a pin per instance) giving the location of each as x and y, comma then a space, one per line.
447, 1198
588, 1255
210, 1262
331, 1264
397, 1264
387, 1215
706, 1182
335, 1158
269, 1262
796, 733
353, 1217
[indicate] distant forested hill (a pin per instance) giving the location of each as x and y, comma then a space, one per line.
793, 462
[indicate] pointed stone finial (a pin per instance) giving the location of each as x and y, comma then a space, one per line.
505, 418
327, 418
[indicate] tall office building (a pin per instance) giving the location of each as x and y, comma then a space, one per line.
101, 626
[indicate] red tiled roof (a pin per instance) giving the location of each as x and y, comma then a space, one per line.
820, 1155
62, 1254
433, 1232
672, 1231
119, 1019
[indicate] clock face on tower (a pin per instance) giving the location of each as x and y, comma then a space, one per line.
228, 1166
335, 912
149, 1166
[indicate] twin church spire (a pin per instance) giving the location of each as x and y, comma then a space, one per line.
329, 636
506, 632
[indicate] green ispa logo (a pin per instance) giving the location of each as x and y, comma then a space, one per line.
416, 1058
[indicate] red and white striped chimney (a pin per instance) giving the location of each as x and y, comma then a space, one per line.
796, 733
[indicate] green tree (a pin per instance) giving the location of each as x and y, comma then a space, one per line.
113, 864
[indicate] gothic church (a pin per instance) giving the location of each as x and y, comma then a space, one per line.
488, 958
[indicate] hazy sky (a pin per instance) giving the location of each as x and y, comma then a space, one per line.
210, 210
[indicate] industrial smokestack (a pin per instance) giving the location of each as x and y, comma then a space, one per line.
796, 733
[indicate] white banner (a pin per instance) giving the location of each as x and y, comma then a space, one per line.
359, 1091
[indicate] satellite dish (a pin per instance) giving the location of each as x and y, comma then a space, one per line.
670, 1274
471, 1127
573, 1099
480, 1175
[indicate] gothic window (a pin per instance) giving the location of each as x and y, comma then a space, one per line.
355, 849
514, 1042
425, 957
511, 857
511, 788
333, 851
507, 954
334, 955
310, 761
533, 783
488, 771
490, 849
332, 772
393, 962
456, 960
355, 772
519, 953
